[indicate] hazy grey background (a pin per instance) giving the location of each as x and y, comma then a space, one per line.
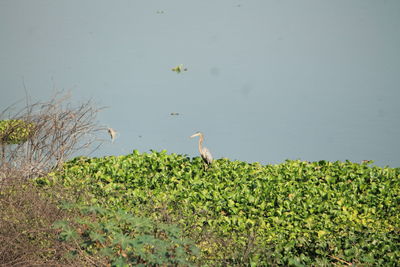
266, 80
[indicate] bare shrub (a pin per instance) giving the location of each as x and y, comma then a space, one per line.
35, 140
57, 130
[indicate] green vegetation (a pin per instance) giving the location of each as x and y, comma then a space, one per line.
295, 213
123, 239
178, 69
15, 131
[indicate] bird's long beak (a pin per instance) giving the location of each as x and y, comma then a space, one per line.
194, 135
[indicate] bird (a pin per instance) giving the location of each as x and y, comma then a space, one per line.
204, 152
112, 133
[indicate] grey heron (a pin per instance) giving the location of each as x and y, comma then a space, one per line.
204, 152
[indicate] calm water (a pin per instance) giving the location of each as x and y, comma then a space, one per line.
266, 80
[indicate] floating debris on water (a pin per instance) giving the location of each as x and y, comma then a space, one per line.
179, 68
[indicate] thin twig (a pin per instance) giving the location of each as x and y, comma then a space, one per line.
341, 260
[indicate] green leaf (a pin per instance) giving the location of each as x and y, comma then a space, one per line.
122, 240
120, 262
97, 237
60, 224
68, 234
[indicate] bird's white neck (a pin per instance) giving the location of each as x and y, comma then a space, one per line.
200, 143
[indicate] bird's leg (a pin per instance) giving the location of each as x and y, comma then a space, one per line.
205, 166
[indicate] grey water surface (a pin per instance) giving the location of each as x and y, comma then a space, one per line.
266, 80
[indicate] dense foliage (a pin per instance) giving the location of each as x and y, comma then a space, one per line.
294, 213
120, 239
15, 131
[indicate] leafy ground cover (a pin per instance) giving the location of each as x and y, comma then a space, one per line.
294, 213
116, 238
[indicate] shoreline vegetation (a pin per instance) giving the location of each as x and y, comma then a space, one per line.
160, 209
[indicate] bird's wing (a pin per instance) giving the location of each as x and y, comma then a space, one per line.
207, 155
112, 133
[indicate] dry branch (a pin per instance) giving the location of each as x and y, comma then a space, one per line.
60, 131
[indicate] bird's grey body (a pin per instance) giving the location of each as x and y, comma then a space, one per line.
206, 155
204, 152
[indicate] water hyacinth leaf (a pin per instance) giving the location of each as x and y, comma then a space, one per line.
307, 210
